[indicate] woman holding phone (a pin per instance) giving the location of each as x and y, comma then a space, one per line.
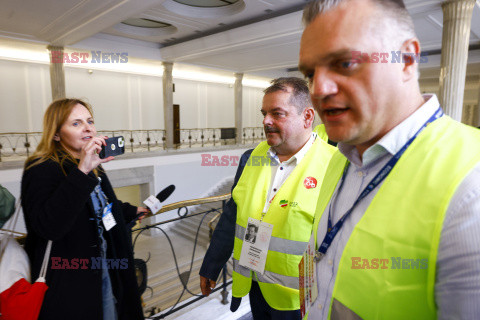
67, 198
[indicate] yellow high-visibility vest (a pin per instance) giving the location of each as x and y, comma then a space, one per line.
291, 213
402, 224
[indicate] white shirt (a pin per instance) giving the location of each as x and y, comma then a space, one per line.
457, 288
281, 170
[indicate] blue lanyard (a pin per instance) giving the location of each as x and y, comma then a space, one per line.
381, 175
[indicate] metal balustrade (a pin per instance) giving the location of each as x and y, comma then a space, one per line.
190, 288
253, 135
20, 145
200, 137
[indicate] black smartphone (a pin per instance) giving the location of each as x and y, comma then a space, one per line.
115, 146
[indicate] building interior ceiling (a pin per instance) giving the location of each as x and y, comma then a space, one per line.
255, 37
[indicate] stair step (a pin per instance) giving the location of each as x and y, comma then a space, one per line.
202, 240
155, 277
171, 290
166, 284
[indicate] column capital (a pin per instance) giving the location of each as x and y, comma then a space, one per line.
55, 48
167, 66
238, 76
448, 3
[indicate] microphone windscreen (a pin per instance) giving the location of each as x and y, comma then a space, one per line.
165, 193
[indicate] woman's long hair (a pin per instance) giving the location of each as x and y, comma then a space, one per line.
48, 149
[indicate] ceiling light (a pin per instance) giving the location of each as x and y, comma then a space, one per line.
145, 23
207, 3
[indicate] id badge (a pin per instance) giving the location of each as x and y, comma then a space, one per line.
107, 217
308, 278
255, 245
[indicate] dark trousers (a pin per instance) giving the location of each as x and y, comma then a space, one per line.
261, 310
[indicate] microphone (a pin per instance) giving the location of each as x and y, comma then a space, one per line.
165, 193
153, 203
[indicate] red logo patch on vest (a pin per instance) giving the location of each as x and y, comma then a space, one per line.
310, 182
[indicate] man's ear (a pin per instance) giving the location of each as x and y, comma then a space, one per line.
308, 116
410, 58
56, 137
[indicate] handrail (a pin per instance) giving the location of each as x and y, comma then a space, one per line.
192, 202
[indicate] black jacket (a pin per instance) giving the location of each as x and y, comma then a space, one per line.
221, 245
58, 207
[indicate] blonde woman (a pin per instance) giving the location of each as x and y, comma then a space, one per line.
66, 197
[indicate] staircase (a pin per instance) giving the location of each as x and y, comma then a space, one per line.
187, 228
162, 275
167, 286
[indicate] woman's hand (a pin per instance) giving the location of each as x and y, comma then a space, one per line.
89, 158
143, 211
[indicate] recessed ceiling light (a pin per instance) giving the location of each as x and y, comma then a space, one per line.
207, 3
145, 23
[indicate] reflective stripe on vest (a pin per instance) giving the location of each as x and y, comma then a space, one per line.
277, 244
267, 276
403, 221
292, 222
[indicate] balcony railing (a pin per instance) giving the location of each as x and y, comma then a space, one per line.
253, 135
20, 145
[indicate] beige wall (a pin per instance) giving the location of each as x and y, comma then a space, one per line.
130, 194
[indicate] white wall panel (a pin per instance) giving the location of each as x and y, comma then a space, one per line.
39, 94
252, 103
150, 104
23, 95
220, 106
107, 92
188, 95
204, 104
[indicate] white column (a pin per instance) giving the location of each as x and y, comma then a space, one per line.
57, 72
168, 103
457, 16
476, 122
238, 93
469, 114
